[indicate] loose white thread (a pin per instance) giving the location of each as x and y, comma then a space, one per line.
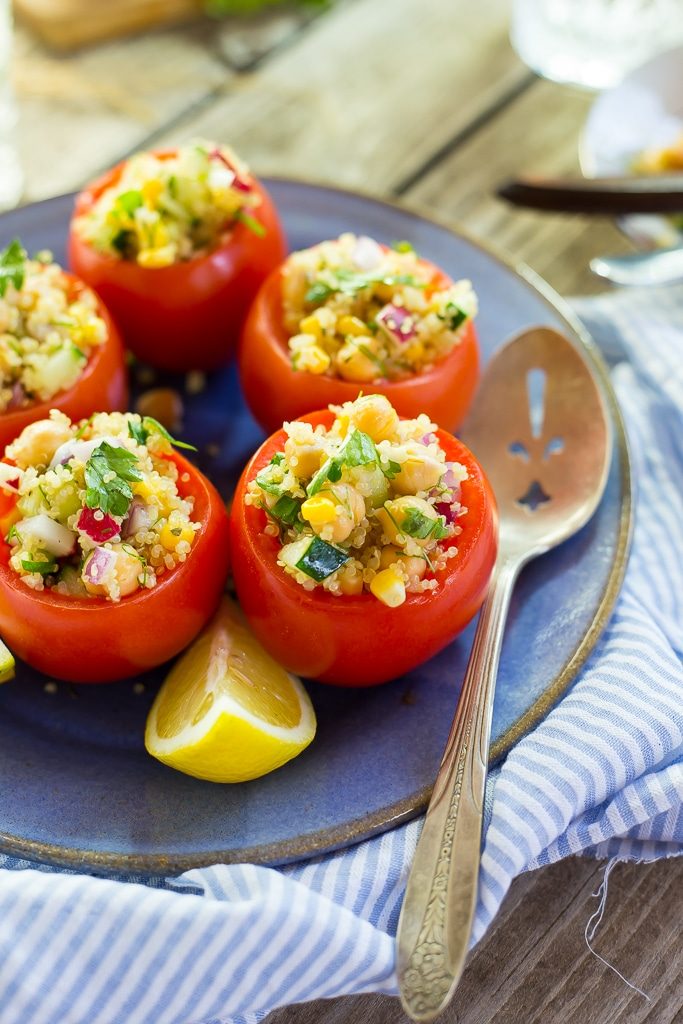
593, 924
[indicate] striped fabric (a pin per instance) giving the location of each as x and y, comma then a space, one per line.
603, 775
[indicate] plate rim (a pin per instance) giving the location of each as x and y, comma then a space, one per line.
323, 841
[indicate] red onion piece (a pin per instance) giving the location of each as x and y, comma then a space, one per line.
18, 396
397, 322
99, 530
138, 518
241, 184
366, 253
445, 509
98, 565
451, 479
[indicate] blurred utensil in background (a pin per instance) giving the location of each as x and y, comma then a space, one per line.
607, 196
657, 267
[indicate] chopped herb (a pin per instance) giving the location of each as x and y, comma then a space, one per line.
130, 201
391, 469
82, 429
12, 265
44, 568
252, 223
12, 535
358, 450
454, 316
402, 247
417, 524
173, 186
286, 509
318, 292
148, 425
321, 560
266, 483
277, 458
110, 495
123, 241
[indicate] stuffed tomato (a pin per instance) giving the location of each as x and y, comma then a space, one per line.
177, 243
114, 547
351, 315
362, 544
58, 346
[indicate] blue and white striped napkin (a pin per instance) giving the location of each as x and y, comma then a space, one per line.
602, 775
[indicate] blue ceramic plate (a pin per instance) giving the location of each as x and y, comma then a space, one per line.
78, 789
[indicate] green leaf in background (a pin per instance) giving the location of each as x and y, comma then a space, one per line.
12, 265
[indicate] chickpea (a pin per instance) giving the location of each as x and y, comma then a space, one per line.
350, 580
412, 564
374, 415
308, 456
350, 512
419, 470
294, 288
38, 442
126, 570
355, 364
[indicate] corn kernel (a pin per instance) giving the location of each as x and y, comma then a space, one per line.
414, 352
162, 257
173, 533
312, 360
319, 510
311, 325
388, 587
151, 190
353, 326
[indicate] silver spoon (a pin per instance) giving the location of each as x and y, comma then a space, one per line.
655, 267
542, 433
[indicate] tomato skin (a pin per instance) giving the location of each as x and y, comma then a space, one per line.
276, 393
91, 640
358, 641
102, 387
186, 316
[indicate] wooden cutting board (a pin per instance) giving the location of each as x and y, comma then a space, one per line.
67, 24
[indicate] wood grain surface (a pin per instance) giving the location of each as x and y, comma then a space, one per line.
426, 102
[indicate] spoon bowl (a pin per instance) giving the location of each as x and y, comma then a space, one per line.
540, 429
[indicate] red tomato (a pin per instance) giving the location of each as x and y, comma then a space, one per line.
102, 386
358, 641
275, 392
186, 316
92, 640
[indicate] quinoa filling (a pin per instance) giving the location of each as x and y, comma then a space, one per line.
49, 328
99, 512
165, 210
370, 504
363, 312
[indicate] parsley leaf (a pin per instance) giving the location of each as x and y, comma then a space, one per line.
454, 316
130, 201
417, 524
12, 266
392, 469
286, 509
318, 292
358, 450
148, 425
110, 495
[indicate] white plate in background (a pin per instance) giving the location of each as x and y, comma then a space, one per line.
645, 111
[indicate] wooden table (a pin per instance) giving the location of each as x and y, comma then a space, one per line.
426, 102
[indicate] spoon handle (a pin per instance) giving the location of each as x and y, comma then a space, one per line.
438, 909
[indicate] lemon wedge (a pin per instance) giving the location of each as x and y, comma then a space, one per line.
227, 712
7, 664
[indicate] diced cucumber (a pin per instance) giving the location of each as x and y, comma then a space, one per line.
371, 482
321, 559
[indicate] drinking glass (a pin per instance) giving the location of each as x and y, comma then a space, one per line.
593, 43
11, 176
